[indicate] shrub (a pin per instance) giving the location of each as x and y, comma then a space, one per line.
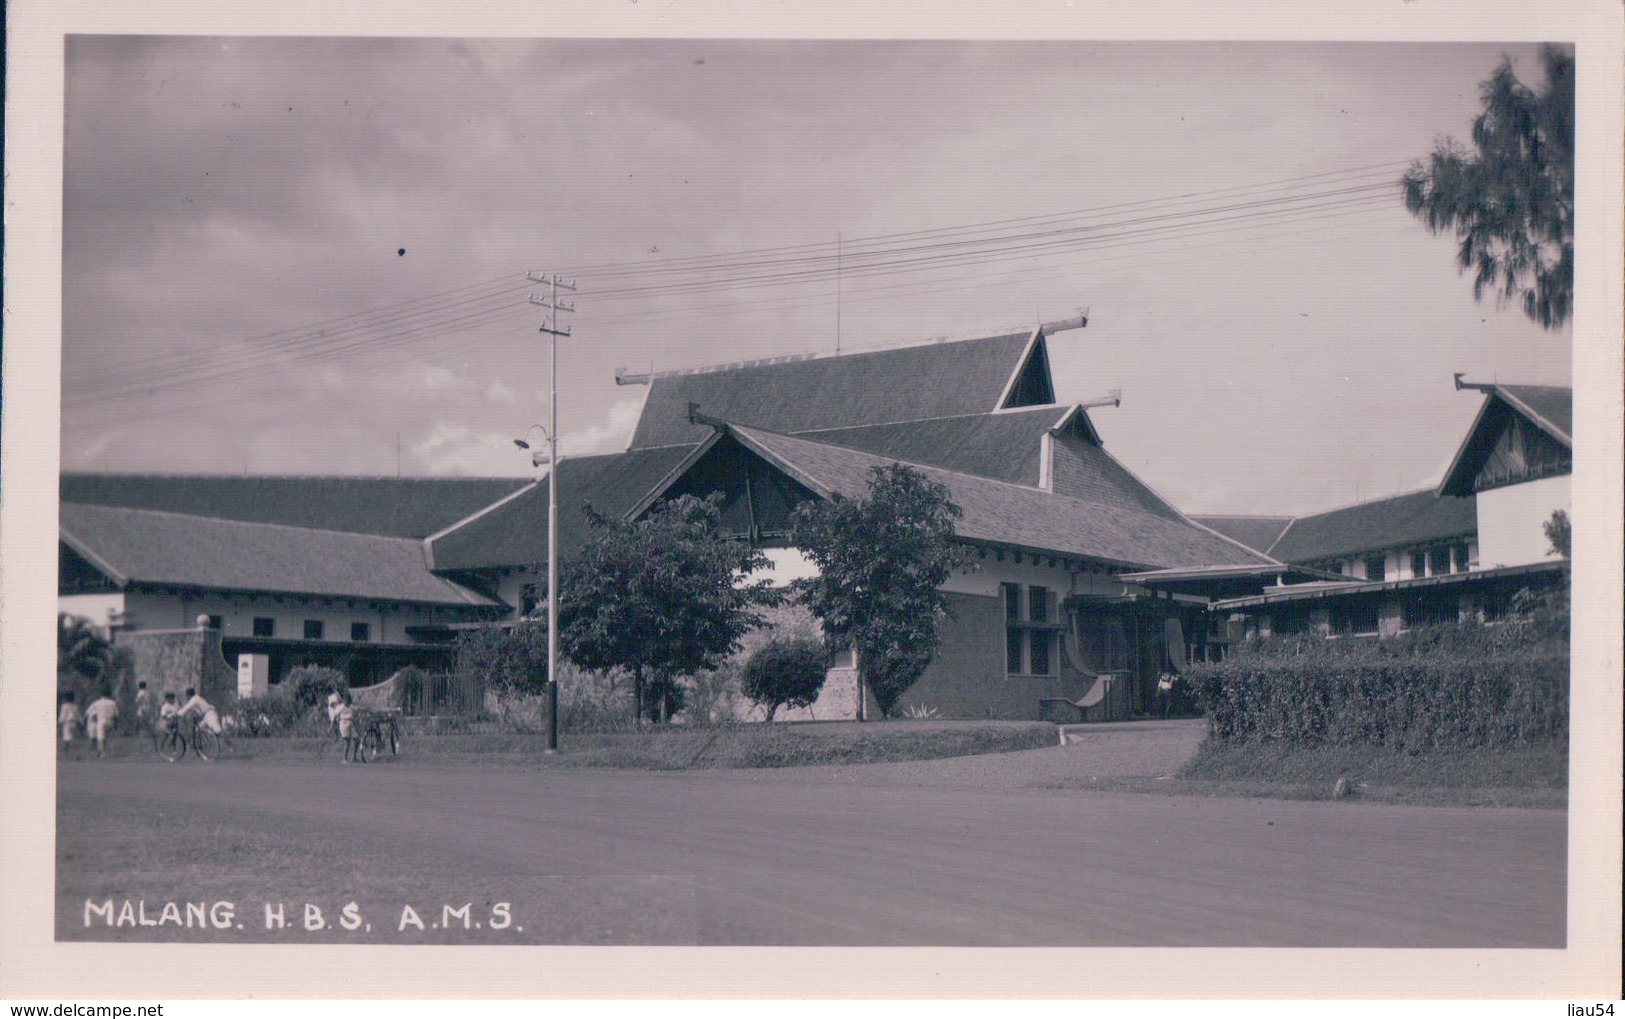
510, 662
785, 671
1444, 687
308, 685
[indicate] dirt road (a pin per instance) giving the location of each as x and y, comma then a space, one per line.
877, 855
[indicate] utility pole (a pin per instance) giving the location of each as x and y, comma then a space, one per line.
550, 326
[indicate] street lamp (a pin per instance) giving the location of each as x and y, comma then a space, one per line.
552, 461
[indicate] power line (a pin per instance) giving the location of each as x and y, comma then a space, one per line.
490, 301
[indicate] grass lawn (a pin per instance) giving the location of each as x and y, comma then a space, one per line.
680, 748
1527, 776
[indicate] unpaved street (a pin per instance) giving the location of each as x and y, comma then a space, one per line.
951, 853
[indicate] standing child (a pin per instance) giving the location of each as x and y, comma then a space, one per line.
347, 729
143, 706
68, 719
99, 719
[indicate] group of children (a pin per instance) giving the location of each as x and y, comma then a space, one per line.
98, 719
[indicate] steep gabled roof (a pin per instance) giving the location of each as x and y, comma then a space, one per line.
514, 532
1005, 446
396, 507
134, 546
1549, 409
939, 380
1412, 519
1001, 513
1258, 532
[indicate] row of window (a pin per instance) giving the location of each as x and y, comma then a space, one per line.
1433, 562
315, 629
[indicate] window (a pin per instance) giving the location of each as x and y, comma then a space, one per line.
1355, 616
264, 626
313, 629
1375, 568
360, 631
1438, 561
1029, 637
1419, 564
1458, 556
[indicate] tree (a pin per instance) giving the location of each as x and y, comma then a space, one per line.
511, 661
661, 596
1511, 204
1559, 533
786, 671
80, 649
882, 561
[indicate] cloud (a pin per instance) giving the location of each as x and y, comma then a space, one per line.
609, 437
459, 450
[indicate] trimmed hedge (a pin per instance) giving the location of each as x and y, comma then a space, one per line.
1439, 688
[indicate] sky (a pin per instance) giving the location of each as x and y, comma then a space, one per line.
308, 255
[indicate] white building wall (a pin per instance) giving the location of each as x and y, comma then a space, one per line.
1510, 519
93, 608
146, 610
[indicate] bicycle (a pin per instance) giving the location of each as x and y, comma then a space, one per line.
172, 743
377, 732
169, 743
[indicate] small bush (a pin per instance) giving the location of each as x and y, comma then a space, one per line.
785, 671
308, 685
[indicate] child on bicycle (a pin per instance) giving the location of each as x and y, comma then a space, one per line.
68, 719
99, 719
169, 714
207, 716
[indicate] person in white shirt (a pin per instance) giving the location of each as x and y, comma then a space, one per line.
169, 713
207, 716
143, 705
99, 719
68, 720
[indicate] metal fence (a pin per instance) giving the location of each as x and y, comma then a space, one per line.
441, 693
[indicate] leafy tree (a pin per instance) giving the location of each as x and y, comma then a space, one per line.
1510, 203
786, 671
81, 649
661, 596
1559, 533
882, 561
511, 660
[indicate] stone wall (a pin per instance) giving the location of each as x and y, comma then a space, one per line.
172, 660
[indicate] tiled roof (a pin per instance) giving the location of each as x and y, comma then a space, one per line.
1550, 407
938, 380
1014, 515
1253, 531
1002, 446
1412, 519
151, 547
514, 532
397, 507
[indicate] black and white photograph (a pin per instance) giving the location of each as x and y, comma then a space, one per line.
820, 491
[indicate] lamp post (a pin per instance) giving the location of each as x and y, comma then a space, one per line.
551, 327
552, 569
